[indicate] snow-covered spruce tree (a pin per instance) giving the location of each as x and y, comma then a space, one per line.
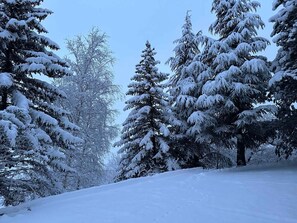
90, 97
33, 131
238, 77
183, 91
284, 82
212, 153
145, 135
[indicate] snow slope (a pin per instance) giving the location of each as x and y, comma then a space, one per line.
266, 194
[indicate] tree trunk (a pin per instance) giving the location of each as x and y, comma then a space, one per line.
6, 68
240, 153
3, 100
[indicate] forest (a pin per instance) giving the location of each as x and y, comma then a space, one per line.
224, 104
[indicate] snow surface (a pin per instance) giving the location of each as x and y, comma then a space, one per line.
5, 80
250, 194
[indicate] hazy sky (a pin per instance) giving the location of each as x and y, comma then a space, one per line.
129, 23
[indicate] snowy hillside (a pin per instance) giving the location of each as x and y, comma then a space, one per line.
266, 194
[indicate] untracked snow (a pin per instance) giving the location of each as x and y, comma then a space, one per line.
250, 194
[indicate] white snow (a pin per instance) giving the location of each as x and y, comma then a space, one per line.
260, 195
146, 140
14, 23
5, 80
10, 130
20, 100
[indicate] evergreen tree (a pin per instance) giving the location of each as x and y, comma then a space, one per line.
237, 78
34, 132
212, 153
183, 92
284, 82
145, 135
90, 97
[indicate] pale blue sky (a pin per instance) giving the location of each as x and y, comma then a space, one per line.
129, 23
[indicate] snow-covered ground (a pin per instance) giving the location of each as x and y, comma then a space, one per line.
239, 195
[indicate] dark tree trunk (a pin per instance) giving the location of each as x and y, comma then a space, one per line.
240, 153
6, 68
3, 100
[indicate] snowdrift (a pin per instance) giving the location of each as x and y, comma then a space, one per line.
265, 194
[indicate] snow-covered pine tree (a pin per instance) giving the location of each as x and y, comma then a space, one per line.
34, 132
145, 135
284, 82
183, 91
201, 121
238, 77
90, 97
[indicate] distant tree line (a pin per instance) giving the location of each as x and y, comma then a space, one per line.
223, 95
